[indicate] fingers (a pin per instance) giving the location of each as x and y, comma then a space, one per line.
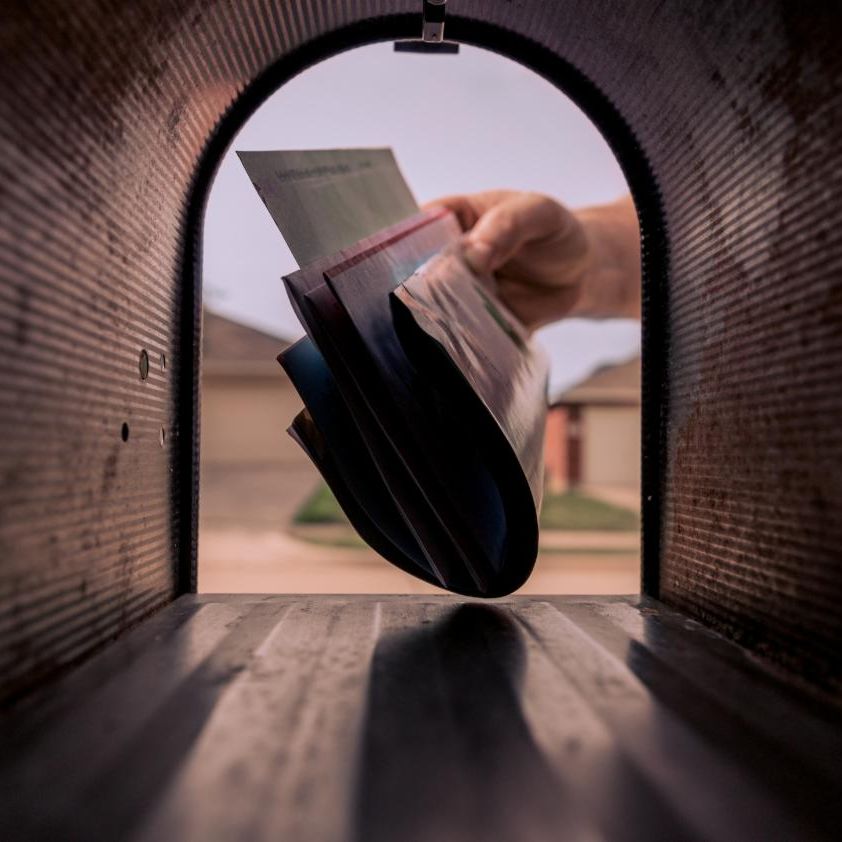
470, 207
507, 226
498, 223
462, 206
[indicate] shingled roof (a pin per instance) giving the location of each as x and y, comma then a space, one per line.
225, 339
232, 348
610, 385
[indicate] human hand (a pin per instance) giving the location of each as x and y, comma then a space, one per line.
548, 261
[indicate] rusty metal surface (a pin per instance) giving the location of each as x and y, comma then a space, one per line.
753, 486
112, 116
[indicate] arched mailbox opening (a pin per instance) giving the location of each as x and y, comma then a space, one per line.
614, 717
456, 124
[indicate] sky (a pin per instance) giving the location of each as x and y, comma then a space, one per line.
458, 124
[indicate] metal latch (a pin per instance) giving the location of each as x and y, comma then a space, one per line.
432, 32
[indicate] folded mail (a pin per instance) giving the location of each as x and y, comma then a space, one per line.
425, 405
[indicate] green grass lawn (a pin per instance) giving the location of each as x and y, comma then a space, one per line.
560, 511
576, 511
320, 507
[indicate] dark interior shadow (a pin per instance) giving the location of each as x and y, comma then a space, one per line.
446, 753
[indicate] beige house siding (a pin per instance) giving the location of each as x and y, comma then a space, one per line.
593, 433
253, 475
611, 445
244, 420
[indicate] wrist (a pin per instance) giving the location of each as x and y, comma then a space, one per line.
589, 287
610, 283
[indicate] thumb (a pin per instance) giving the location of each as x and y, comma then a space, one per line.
508, 226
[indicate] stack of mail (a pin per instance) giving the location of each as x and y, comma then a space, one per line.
424, 398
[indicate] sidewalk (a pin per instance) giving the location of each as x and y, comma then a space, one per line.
560, 540
563, 539
272, 561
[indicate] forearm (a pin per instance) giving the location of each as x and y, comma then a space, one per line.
611, 286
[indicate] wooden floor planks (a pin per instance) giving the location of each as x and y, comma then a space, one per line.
420, 718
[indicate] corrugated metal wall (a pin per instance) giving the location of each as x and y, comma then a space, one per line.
106, 112
753, 486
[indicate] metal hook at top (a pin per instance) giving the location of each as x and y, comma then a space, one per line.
433, 27
432, 32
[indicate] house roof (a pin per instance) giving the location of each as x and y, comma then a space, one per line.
610, 385
225, 339
230, 347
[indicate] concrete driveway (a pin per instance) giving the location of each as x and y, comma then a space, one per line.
246, 545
